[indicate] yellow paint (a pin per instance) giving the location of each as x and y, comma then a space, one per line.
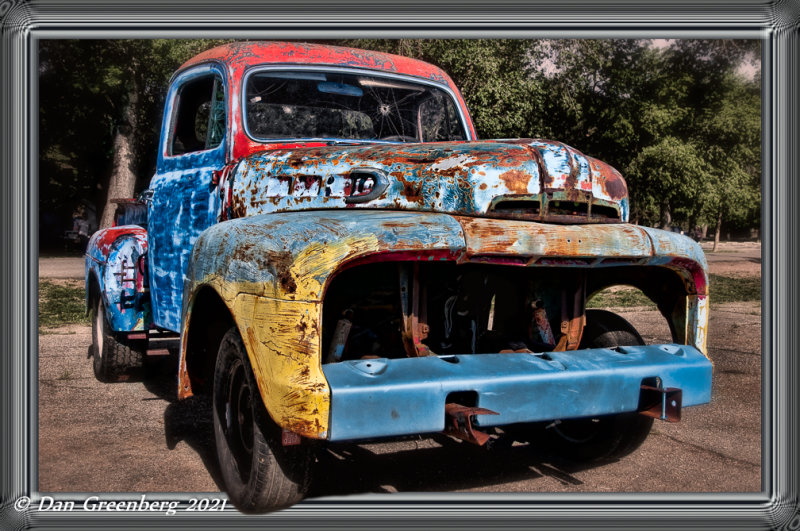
697, 315
283, 343
282, 335
281, 329
316, 262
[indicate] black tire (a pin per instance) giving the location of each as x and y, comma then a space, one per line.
112, 357
605, 437
260, 473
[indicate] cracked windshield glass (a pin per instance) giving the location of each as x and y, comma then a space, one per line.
337, 106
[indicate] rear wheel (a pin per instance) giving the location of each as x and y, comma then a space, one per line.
112, 356
260, 473
602, 437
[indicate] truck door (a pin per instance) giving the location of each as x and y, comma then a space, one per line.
184, 191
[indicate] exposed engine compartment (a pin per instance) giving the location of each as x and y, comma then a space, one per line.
408, 309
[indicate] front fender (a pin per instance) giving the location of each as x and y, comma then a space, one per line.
271, 272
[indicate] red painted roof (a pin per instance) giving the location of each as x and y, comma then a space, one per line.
240, 55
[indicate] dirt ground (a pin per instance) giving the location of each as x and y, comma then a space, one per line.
136, 437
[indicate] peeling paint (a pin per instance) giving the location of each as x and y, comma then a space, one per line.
268, 226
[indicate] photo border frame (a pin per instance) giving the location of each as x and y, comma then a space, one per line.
23, 23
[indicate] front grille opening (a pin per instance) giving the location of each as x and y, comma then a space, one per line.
452, 310
568, 208
461, 309
602, 211
526, 208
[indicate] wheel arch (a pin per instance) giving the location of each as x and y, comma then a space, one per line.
207, 320
680, 296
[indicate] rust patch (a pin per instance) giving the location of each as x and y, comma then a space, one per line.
516, 181
241, 253
616, 187
280, 262
609, 180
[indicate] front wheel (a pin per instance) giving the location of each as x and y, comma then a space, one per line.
260, 473
608, 436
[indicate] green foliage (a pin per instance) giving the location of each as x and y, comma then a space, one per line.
492, 74
620, 297
678, 121
61, 304
84, 89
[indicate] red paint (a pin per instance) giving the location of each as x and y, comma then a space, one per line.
106, 238
239, 56
697, 272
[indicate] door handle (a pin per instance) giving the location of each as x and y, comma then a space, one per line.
146, 196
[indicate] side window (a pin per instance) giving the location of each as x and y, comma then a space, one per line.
199, 122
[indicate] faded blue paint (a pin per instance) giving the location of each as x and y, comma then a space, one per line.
112, 259
670, 245
252, 249
184, 204
261, 249
460, 178
383, 397
131, 214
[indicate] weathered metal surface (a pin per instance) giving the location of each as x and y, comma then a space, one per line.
130, 212
541, 325
459, 423
238, 57
307, 211
340, 336
116, 259
184, 203
415, 327
384, 397
271, 272
506, 179
661, 403
582, 246
292, 255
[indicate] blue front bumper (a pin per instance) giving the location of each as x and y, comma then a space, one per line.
382, 397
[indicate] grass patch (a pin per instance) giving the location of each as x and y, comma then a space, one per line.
734, 289
619, 296
61, 305
723, 289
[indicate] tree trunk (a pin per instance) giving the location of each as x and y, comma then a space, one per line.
123, 179
717, 231
666, 215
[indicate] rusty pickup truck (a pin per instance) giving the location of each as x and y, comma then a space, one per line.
344, 260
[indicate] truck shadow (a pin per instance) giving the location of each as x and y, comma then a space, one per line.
433, 463
188, 420
442, 464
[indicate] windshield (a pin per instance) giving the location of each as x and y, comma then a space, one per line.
343, 106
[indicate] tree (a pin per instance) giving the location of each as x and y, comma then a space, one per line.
100, 113
657, 114
492, 74
674, 175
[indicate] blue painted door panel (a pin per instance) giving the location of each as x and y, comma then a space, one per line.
184, 203
382, 397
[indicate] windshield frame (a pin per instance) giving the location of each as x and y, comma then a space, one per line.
344, 70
